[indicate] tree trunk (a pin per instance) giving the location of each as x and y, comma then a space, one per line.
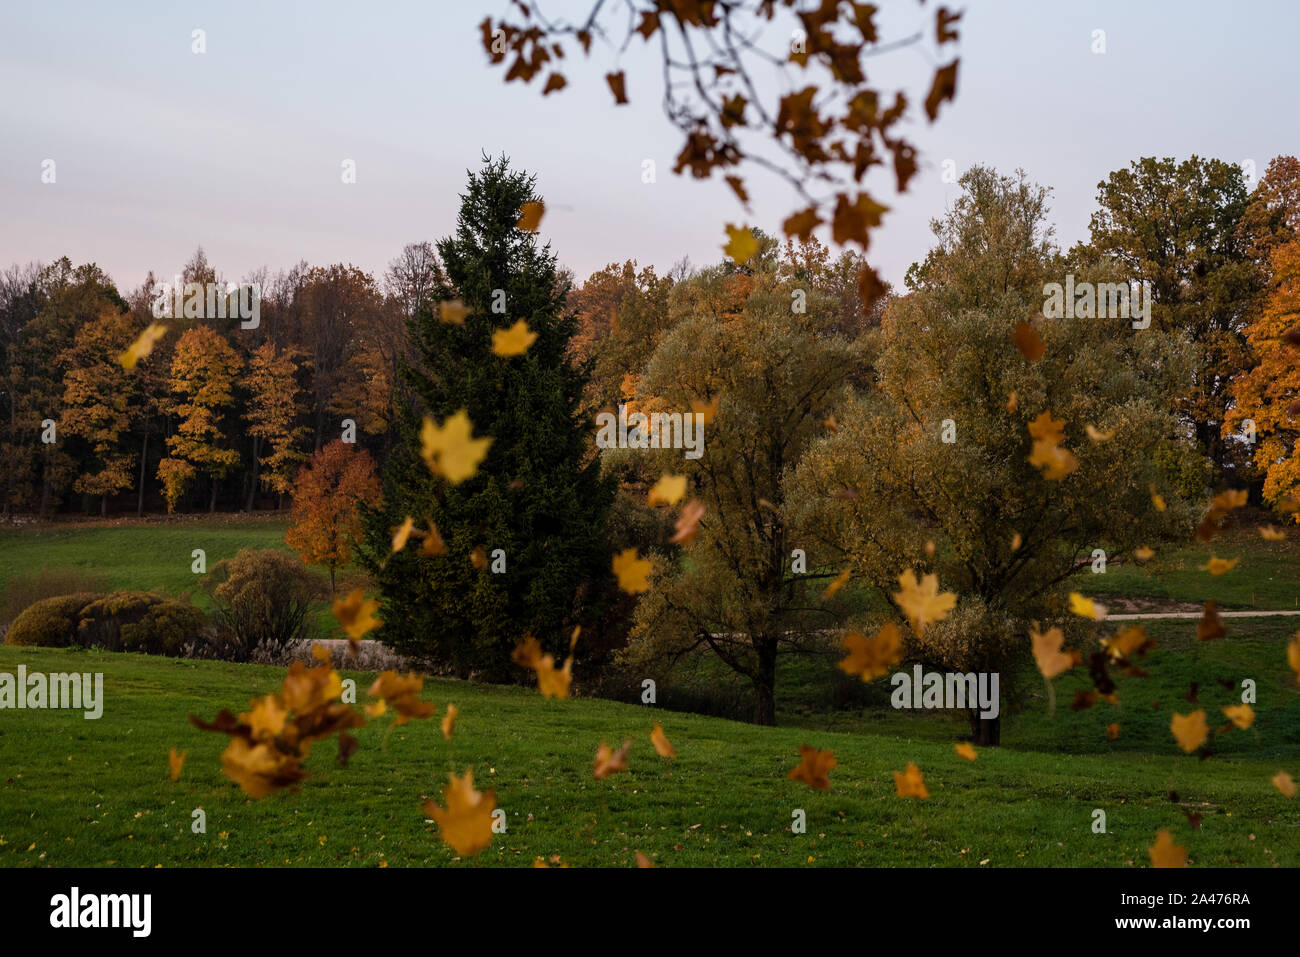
212, 508
765, 682
144, 455
103, 506
985, 732
252, 492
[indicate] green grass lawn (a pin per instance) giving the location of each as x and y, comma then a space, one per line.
79, 792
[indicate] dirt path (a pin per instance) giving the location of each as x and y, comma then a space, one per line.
1197, 614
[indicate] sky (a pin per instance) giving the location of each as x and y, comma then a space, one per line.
239, 149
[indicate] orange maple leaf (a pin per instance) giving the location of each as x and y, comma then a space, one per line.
814, 768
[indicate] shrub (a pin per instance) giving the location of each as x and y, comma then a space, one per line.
49, 622
262, 597
121, 621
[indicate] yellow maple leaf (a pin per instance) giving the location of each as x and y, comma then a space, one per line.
449, 721
1271, 533
708, 409
1283, 782
1242, 715
741, 244
1046, 429
966, 751
453, 311
356, 614
1165, 853
910, 782
175, 761
402, 534
608, 761
870, 658
530, 216
1096, 435
266, 719
1049, 657
466, 823
1086, 607
661, 743
142, 346
922, 602
840, 581
433, 543
513, 341
1293, 655
667, 491
814, 768
1016, 540
1220, 566
552, 682
1056, 463
633, 573
1190, 730
1157, 500
1112, 730
448, 450
1142, 553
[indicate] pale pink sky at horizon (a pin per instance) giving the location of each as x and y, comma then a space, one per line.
159, 150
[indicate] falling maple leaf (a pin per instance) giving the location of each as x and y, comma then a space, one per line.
449, 721
1086, 607
688, 523
1096, 435
633, 572
433, 543
1157, 500
466, 823
1283, 782
1027, 341
910, 783
530, 216
142, 346
1048, 655
448, 450
667, 491
706, 408
356, 615
741, 244
1142, 553
478, 557
840, 581
966, 751
1210, 626
513, 341
610, 762
870, 658
1015, 540
1165, 853
1293, 655
814, 767
402, 694
1112, 730
1190, 730
643, 861
1220, 566
1013, 401
552, 682
1055, 462
175, 762
922, 602
1242, 715
402, 534
453, 312
1127, 642
1046, 429
1271, 533
661, 743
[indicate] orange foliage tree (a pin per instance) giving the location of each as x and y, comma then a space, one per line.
1269, 394
326, 496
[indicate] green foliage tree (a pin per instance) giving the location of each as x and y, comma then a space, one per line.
1177, 225
749, 341
538, 496
1006, 539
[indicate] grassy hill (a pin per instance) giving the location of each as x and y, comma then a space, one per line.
79, 792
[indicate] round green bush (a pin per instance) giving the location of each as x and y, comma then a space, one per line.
121, 621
